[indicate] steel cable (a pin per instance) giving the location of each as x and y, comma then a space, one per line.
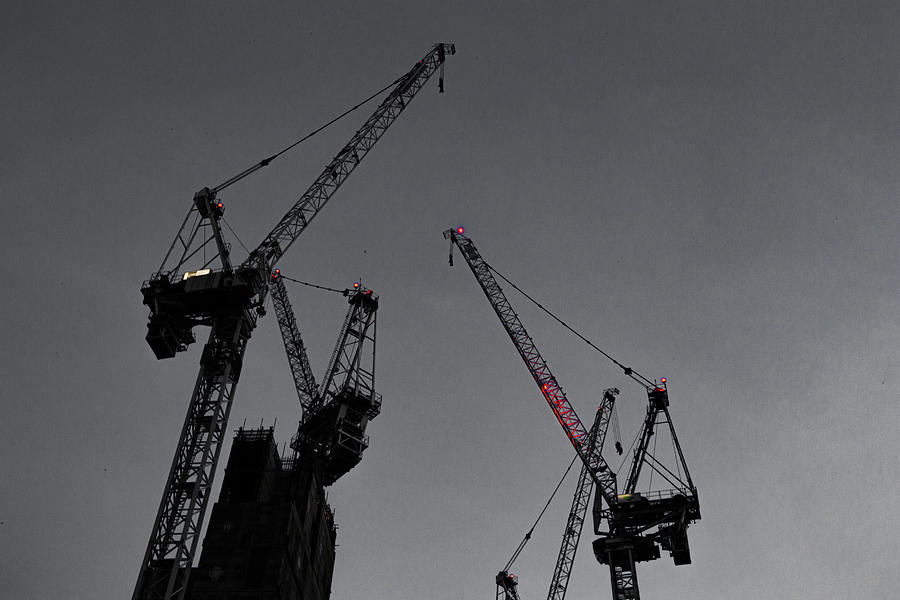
627, 370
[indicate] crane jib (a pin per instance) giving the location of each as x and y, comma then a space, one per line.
336, 172
540, 372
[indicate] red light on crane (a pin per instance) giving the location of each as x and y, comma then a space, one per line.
663, 380
460, 230
355, 285
276, 273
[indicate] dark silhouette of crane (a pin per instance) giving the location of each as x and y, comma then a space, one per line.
637, 525
229, 299
334, 416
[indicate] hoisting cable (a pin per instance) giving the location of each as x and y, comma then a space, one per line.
227, 224
629, 453
313, 285
617, 433
530, 531
265, 162
628, 370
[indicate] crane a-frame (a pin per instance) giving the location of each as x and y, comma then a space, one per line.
636, 525
229, 299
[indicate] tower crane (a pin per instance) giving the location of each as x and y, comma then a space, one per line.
229, 299
334, 416
636, 525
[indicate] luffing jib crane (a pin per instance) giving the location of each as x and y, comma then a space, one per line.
334, 416
636, 525
229, 299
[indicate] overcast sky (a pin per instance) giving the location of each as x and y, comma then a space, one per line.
708, 190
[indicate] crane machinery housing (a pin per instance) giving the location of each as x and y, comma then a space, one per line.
632, 526
198, 284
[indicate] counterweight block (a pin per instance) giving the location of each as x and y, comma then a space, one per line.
175, 308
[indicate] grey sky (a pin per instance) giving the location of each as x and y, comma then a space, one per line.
708, 190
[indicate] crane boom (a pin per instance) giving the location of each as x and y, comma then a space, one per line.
537, 366
336, 172
304, 380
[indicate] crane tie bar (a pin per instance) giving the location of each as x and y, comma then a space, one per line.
265, 162
628, 370
313, 285
530, 531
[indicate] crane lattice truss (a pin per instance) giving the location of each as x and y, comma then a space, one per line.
229, 300
334, 416
304, 380
582, 497
637, 525
537, 366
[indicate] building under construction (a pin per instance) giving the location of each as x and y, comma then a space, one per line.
272, 534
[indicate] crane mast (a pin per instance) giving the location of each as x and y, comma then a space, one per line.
229, 300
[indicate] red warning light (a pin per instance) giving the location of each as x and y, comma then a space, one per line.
460, 230
276, 273
663, 380
356, 285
